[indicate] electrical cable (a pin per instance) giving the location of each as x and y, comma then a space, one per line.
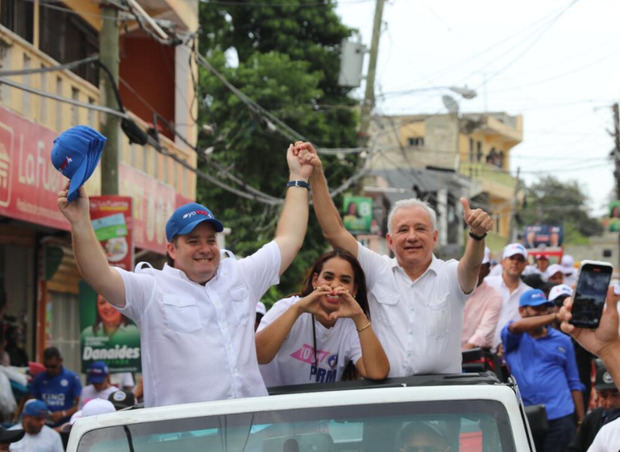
60, 67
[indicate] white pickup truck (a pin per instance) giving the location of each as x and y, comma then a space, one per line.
474, 412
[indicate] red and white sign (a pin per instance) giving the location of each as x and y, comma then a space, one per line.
113, 225
29, 183
154, 202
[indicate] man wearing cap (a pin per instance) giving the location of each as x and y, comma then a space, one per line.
542, 360
481, 312
38, 437
196, 315
58, 387
554, 274
569, 270
608, 410
416, 300
510, 286
99, 387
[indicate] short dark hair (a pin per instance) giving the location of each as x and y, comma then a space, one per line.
51, 352
169, 259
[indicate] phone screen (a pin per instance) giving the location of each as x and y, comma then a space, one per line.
590, 295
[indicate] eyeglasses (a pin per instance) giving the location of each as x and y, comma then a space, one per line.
609, 394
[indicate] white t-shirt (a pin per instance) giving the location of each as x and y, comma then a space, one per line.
122, 380
293, 364
510, 304
89, 392
418, 322
607, 439
47, 440
198, 340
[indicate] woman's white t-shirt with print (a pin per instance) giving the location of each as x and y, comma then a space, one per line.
294, 362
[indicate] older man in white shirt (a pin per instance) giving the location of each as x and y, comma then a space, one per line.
510, 286
416, 300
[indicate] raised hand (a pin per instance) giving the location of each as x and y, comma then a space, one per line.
310, 303
307, 155
478, 220
348, 306
594, 340
76, 211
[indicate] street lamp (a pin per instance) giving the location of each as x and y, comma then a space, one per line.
463, 91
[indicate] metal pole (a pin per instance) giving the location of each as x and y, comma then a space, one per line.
369, 96
110, 127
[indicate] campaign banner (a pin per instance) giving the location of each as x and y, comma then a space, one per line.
106, 334
111, 218
538, 235
614, 216
357, 214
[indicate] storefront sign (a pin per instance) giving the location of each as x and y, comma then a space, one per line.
111, 219
614, 216
154, 202
29, 183
106, 334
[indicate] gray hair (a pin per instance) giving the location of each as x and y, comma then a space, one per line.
412, 202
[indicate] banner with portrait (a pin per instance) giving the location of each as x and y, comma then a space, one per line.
538, 235
614, 216
106, 334
357, 214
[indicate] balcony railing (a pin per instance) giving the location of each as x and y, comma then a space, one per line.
18, 54
493, 179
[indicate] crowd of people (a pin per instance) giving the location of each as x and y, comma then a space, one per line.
359, 314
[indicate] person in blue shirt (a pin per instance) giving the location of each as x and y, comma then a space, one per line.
542, 360
58, 387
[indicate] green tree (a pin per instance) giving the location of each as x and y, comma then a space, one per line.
551, 201
288, 64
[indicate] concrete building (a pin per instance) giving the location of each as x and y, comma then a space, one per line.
441, 158
37, 270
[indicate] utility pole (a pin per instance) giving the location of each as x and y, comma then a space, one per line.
616, 151
369, 96
512, 233
108, 54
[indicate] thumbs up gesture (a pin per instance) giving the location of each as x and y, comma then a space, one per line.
478, 220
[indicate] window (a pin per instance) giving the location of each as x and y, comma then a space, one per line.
471, 150
18, 16
42, 99
478, 151
91, 113
58, 104
26, 81
66, 37
415, 141
472, 425
75, 115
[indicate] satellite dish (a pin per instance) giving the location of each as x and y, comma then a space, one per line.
450, 104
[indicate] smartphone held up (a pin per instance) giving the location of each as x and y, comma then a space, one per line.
590, 294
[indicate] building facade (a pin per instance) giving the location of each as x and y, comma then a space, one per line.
38, 275
441, 158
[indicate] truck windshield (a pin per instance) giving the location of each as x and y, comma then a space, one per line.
438, 426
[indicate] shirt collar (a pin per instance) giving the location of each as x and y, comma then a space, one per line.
434, 266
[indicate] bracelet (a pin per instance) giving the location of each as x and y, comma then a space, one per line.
477, 237
298, 183
359, 330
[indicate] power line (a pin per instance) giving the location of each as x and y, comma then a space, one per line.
60, 67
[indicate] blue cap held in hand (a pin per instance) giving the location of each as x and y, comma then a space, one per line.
187, 217
75, 154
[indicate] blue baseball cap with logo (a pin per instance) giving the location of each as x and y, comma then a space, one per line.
533, 297
97, 372
76, 153
187, 217
35, 407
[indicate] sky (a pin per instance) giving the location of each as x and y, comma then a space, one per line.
556, 62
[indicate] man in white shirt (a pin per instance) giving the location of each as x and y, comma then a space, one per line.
416, 300
509, 286
196, 315
39, 437
99, 387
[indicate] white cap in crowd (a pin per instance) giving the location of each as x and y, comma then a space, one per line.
568, 261
561, 290
513, 249
553, 269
